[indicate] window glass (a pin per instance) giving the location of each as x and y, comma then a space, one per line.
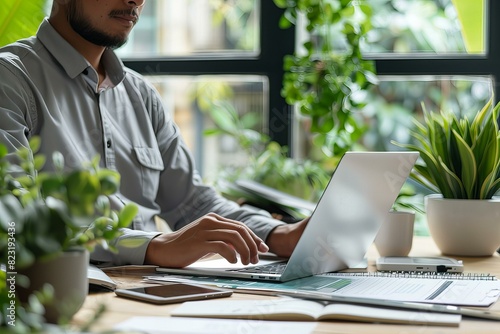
406, 27
195, 101
396, 100
195, 27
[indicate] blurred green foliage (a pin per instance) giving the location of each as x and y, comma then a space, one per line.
20, 19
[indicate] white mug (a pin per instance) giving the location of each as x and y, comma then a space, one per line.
395, 236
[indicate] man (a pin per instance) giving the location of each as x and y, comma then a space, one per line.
67, 86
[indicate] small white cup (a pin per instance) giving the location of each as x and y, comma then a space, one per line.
395, 236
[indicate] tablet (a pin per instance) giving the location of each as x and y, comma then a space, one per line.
172, 293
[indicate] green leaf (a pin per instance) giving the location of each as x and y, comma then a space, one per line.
422, 180
471, 17
35, 143
20, 19
35, 304
223, 116
494, 188
83, 188
486, 151
3, 151
109, 184
58, 161
38, 161
482, 116
468, 162
10, 210
103, 205
455, 188
432, 167
488, 183
127, 215
53, 186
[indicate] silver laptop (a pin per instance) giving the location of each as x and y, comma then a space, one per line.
343, 225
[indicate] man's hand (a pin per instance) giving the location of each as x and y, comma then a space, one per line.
209, 234
284, 238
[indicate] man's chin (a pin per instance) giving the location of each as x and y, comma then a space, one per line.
117, 45
110, 42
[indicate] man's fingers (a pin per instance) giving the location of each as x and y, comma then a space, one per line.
231, 237
248, 252
224, 250
241, 228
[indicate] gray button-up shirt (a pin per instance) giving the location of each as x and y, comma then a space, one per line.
49, 89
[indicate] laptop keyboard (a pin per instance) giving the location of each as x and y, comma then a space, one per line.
272, 268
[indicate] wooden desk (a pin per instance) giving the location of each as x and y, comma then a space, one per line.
120, 309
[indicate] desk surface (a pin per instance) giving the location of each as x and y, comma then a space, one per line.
119, 309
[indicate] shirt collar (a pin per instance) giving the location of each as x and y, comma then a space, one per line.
71, 60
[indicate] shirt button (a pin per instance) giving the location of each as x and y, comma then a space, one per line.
108, 143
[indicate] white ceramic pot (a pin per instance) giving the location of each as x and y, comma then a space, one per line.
67, 273
464, 227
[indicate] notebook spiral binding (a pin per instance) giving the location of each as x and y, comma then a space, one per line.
415, 274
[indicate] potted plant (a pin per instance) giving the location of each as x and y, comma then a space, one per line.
49, 223
460, 164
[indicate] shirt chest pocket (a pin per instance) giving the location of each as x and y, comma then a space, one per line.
151, 167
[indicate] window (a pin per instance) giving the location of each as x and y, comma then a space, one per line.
181, 45
436, 52
191, 28
192, 98
422, 39
418, 27
442, 56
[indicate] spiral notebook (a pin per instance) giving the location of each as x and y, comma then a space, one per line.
451, 289
419, 274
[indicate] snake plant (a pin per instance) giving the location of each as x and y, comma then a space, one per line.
460, 159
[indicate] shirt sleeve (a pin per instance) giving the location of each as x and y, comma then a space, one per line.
131, 248
19, 105
182, 195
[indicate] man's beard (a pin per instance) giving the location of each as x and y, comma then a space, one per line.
90, 33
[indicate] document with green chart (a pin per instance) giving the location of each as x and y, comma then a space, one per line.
458, 290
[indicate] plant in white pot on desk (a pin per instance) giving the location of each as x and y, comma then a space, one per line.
49, 221
460, 164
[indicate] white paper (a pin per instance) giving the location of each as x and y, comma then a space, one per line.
436, 291
163, 325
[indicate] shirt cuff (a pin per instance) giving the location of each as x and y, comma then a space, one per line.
131, 246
